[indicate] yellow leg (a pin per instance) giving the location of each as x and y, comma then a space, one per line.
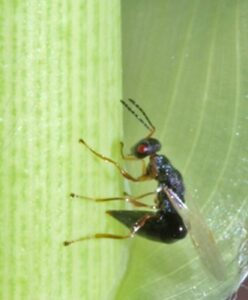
124, 173
136, 227
132, 157
128, 198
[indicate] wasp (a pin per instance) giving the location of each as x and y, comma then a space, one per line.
169, 218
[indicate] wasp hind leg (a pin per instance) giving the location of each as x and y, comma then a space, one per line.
137, 225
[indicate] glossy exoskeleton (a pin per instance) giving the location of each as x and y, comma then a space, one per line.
164, 224
170, 219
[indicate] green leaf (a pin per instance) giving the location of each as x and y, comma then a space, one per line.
186, 63
60, 81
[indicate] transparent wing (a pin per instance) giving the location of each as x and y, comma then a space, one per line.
201, 236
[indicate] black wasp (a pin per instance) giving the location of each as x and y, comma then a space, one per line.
170, 219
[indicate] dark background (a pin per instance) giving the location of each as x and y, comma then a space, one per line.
242, 293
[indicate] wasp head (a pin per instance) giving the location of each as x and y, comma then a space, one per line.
146, 147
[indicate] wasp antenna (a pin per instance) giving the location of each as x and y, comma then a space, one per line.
148, 124
142, 112
135, 114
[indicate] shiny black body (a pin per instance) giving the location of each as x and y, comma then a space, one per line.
165, 225
161, 169
162, 227
168, 219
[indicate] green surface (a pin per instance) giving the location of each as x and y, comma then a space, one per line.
186, 63
60, 80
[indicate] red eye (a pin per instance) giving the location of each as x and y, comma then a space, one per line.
142, 149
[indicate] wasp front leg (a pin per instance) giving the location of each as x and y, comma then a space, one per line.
124, 173
132, 157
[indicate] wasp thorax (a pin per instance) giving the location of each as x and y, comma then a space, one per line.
146, 147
